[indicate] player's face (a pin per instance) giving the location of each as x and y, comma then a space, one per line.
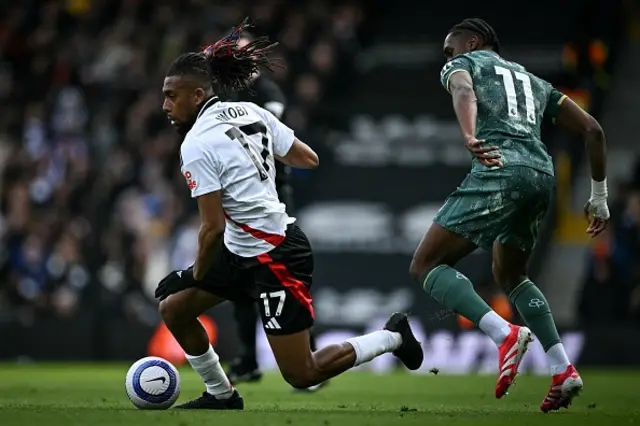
181, 103
458, 44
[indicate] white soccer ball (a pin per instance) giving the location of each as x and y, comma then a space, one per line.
153, 383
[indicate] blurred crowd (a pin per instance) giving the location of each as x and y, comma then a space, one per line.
611, 291
92, 203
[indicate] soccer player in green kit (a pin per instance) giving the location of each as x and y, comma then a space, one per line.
500, 205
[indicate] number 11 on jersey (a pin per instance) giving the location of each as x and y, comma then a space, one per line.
510, 91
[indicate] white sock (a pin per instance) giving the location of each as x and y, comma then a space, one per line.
558, 359
494, 326
208, 367
374, 344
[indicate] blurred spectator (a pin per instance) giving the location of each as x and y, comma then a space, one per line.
92, 202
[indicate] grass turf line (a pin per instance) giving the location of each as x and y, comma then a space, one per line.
68, 394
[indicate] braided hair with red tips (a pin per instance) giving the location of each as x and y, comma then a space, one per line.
225, 64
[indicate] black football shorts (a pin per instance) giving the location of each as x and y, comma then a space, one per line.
279, 281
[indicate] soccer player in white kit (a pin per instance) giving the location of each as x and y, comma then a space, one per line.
248, 247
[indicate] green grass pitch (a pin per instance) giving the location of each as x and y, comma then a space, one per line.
87, 395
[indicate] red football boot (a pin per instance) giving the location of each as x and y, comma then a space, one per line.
511, 352
564, 387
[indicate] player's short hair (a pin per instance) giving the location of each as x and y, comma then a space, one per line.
481, 28
224, 64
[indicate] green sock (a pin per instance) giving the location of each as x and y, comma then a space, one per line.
534, 310
455, 291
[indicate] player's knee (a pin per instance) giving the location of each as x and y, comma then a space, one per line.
300, 379
166, 310
302, 375
171, 312
414, 269
295, 380
418, 269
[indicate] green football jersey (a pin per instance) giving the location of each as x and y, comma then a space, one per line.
511, 105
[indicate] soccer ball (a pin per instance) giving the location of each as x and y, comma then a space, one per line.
152, 383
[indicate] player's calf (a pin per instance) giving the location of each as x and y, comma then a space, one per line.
455, 291
508, 266
185, 327
317, 368
536, 313
509, 263
180, 313
433, 268
302, 368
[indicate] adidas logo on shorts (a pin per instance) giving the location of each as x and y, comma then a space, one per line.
272, 324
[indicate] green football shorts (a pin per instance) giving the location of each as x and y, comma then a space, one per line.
507, 205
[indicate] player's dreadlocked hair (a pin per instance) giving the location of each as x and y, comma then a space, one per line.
481, 28
224, 63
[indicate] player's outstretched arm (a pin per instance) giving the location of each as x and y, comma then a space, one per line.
575, 119
301, 156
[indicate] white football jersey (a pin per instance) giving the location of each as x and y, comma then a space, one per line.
231, 148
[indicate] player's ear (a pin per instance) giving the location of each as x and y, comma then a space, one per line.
473, 42
199, 95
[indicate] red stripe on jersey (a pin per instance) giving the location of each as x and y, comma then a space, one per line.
273, 239
296, 287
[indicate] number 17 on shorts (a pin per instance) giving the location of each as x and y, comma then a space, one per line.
270, 318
